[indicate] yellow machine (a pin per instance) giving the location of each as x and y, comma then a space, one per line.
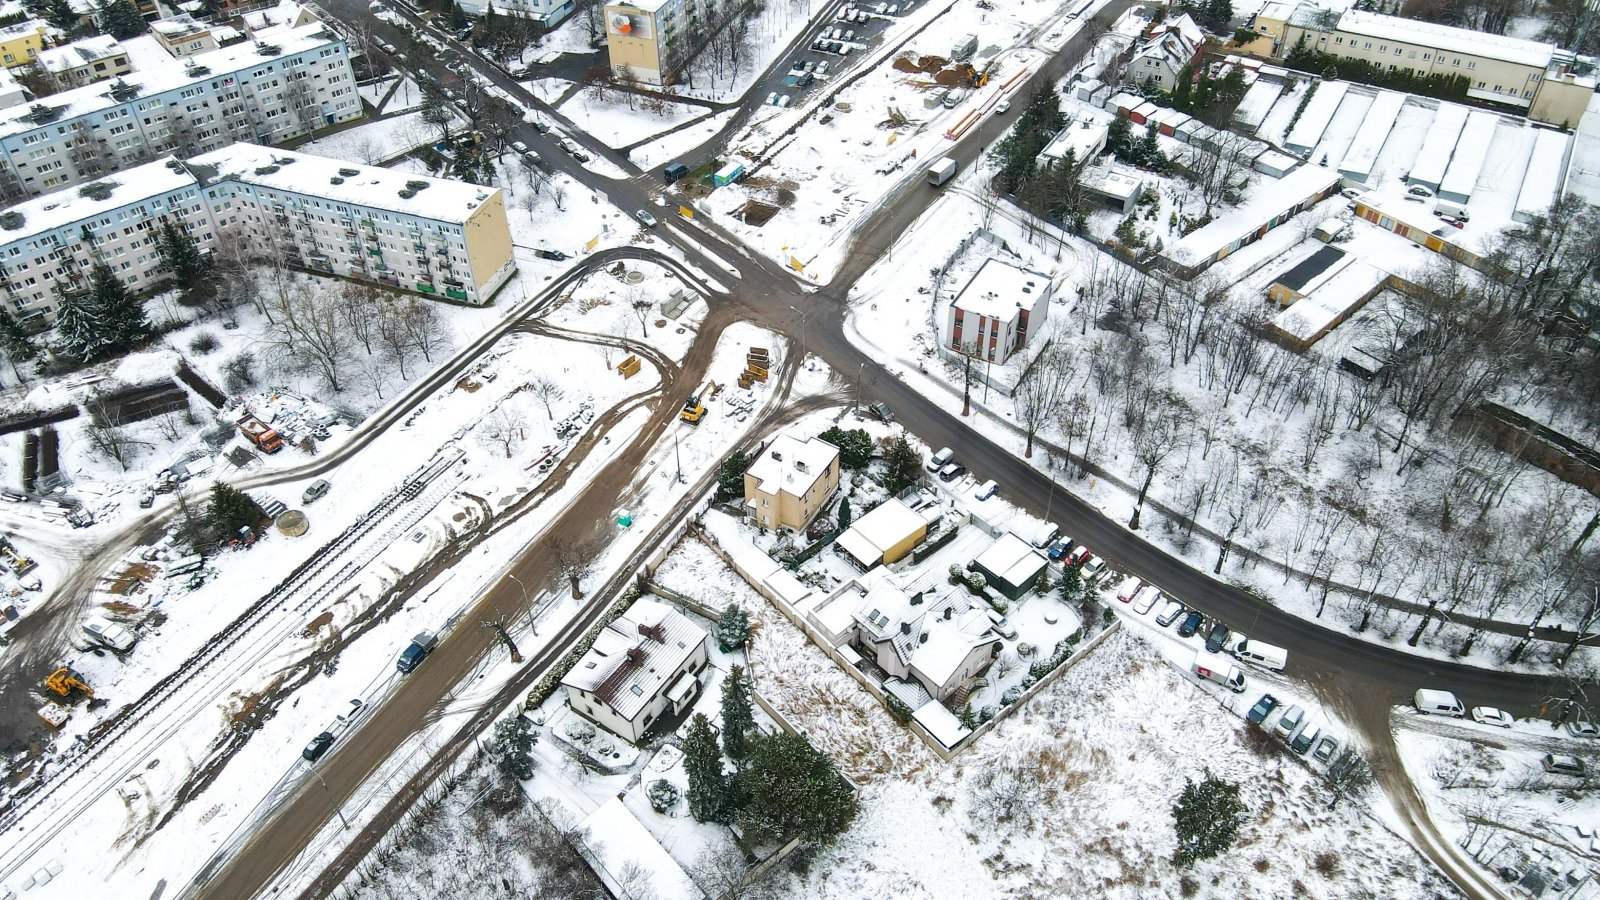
694, 408
65, 680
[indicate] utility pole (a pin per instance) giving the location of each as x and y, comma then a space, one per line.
338, 809
857, 409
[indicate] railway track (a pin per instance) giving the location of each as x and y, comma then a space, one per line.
143, 726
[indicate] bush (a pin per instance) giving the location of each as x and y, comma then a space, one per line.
1326, 863
239, 373
664, 796
975, 583
204, 342
1012, 695
898, 708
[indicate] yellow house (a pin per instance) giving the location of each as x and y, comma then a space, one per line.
651, 40
790, 481
20, 43
884, 535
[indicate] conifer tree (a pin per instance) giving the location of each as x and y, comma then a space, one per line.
79, 326
120, 20
702, 762
180, 254
120, 313
790, 789
733, 628
232, 509
1207, 818
737, 717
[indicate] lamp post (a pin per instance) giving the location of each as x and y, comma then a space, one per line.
532, 625
338, 810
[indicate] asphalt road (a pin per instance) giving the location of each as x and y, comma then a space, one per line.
1361, 676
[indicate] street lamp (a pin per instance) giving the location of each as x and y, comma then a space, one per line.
532, 626
338, 809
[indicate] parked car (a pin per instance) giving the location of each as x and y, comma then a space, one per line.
519, 146
1417, 190
645, 218
1004, 628
351, 710
1438, 703
1581, 728
1093, 568
1562, 764
1128, 588
1289, 721
952, 471
1488, 715
822, 68
882, 413
1302, 742
1217, 638
550, 254
541, 127
987, 489
319, 745
147, 497
1169, 613
941, 459
1004, 106
1190, 625
1263, 708
783, 102
1146, 599
316, 491
1059, 548
1327, 746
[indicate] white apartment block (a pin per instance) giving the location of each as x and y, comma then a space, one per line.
1001, 307
430, 236
548, 13
288, 82
85, 61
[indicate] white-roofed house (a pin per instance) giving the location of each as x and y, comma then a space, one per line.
931, 635
85, 61
1011, 565
617, 845
790, 481
998, 310
643, 666
1170, 47
882, 536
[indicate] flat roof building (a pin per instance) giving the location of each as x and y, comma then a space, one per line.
999, 310
86, 61
883, 536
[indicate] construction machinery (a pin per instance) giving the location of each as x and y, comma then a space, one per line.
65, 681
260, 433
694, 408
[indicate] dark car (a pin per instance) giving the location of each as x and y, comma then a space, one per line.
318, 746
1217, 637
1060, 548
882, 412
1262, 709
1190, 625
675, 171
541, 127
952, 472
550, 254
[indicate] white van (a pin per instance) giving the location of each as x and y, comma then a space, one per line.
941, 459
1438, 703
1044, 534
1274, 658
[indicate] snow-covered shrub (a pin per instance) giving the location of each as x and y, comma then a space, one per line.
664, 796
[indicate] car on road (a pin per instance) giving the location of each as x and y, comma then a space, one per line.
952, 471
882, 413
1262, 709
1004, 106
1562, 764
1289, 721
1488, 715
987, 489
1169, 613
645, 218
550, 254
519, 146
1217, 638
1190, 625
1327, 746
389, 48
319, 745
541, 127
351, 710
1583, 729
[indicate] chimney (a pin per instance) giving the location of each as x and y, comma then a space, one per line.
777, 456
905, 627
916, 599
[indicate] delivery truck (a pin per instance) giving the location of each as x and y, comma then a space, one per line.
1218, 668
941, 171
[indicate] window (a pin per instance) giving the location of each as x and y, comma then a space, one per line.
1456, 61
1427, 57
1367, 46
1382, 48
1338, 40
1471, 64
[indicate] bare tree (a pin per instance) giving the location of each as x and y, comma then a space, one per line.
504, 428
1039, 390
423, 324
1347, 776
1154, 437
575, 563
547, 392
111, 442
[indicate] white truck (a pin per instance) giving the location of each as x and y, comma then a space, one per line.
941, 171
1218, 668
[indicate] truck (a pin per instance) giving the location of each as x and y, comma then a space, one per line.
109, 634
941, 171
1218, 668
421, 645
260, 433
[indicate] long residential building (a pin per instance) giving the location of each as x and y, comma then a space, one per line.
86, 61
653, 39
430, 236
288, 82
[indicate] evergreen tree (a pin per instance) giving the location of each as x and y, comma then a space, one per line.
181, 256
121, 314
845, 516
1182, 90
905, 466
1072, 584
790, 789
737, 718
1119, 137
730, 475
855, 446
79, 326
1150, 148
733, 628
232, 509
458, 17
60, 14
511, 747
702, 762
14, 341
1207, 818
119, 19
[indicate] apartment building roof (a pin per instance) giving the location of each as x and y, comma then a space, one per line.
44, 214
1447, 38
792, 465
649, 6
1000, 290
77, 53
342, 182
177, 27
198, 68
18, 29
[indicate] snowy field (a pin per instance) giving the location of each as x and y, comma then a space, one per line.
680, 143
619, 119
376, 142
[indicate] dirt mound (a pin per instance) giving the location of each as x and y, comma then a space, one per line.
958, 74
912, 63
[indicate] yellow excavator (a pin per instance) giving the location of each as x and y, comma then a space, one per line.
66, 680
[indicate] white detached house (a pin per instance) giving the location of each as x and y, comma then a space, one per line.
1169, 48
644, 665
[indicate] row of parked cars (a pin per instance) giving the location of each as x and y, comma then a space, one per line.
1294, 728
945, 466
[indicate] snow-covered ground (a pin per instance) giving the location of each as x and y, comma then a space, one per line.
378, 141
679, 143
619, 119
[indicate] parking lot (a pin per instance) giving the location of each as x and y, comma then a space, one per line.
857, 27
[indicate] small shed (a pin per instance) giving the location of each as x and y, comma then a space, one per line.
728, 174
1293, 284
1011, 565
1141, 114
1275, 164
